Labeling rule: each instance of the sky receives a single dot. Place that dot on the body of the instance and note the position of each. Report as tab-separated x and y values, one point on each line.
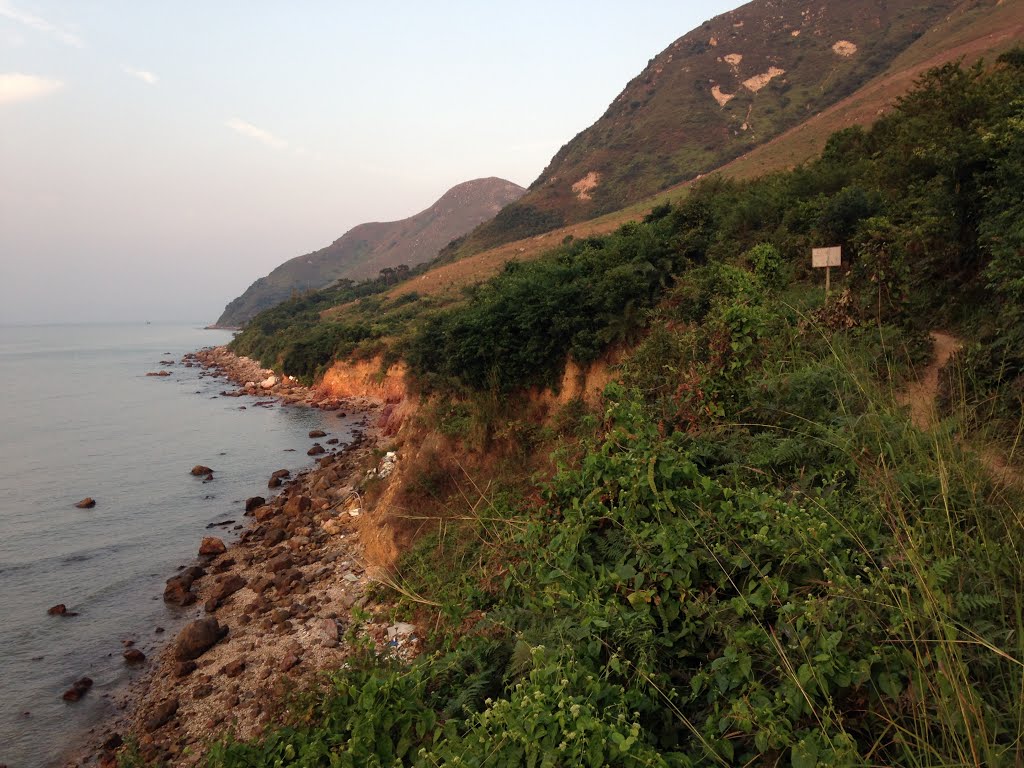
158	157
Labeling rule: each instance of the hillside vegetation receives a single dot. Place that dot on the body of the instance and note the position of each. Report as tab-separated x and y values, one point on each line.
728	86
749	554
976	30
367	249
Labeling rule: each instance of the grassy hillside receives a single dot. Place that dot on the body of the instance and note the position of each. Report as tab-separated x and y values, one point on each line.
752	553
976	30
726	87
367	249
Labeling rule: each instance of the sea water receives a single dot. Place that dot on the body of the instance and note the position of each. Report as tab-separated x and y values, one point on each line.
79	418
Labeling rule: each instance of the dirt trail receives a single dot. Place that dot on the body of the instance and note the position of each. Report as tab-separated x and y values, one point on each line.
920	395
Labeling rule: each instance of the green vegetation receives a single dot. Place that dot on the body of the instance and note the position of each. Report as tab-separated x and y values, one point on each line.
292	336
517	329
753	558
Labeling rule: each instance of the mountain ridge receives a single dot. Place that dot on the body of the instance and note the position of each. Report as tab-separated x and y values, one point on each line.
367	248
737	81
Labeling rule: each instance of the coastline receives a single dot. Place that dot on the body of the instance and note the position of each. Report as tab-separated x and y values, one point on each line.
265	613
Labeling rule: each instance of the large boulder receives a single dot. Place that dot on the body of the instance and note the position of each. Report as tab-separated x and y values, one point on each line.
177	592
296	505
264	513
199	470
87	503
197	637
161	714
254	501
179	588
227	587
211	547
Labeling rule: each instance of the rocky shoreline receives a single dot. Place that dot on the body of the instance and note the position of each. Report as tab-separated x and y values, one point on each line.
269	611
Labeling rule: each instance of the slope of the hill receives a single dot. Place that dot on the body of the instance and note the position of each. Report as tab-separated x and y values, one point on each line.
728	86
368	248
746	553
976	30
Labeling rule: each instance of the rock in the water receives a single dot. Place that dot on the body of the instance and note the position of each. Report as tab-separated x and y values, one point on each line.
199	470
177	593
162	713
58	610
87	503
178	589
274	482
317	433
77	689
158	373
211	547
197	637
253	502
134	656
316	450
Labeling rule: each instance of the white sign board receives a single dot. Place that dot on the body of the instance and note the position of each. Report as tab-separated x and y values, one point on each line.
827	257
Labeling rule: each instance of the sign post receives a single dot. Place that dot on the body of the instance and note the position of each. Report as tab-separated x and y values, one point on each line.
827	258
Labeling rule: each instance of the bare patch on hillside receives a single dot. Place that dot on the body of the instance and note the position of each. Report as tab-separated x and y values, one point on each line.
713	42
844	48
757	82
733	59
795	33
721	97
586	185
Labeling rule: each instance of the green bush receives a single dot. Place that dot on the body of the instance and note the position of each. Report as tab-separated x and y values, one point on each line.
767	263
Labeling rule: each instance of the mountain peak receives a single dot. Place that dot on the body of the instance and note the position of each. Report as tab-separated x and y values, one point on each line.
731	84
368	248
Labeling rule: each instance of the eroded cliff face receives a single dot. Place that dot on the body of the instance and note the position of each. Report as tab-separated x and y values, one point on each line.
372	380
365	378
395	514
391	386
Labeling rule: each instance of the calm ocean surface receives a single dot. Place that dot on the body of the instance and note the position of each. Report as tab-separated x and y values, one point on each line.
80	418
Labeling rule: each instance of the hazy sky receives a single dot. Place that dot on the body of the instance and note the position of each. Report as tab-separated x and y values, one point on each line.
157	157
